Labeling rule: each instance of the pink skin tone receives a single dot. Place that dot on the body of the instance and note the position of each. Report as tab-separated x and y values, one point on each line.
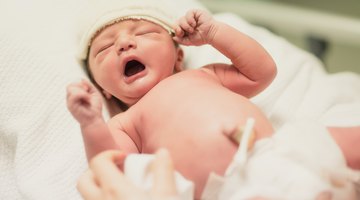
103	176
132	40
195	109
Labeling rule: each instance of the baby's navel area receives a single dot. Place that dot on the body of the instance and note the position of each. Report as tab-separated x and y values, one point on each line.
193	123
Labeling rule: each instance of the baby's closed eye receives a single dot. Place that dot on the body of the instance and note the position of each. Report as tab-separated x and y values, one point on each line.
104	47
146	31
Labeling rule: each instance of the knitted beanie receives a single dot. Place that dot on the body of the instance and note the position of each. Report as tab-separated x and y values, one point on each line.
101	13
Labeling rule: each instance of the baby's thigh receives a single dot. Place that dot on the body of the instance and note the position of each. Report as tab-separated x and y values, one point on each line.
348	139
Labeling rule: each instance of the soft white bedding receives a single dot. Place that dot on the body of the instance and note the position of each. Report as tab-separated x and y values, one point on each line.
302	88
305	152
41	149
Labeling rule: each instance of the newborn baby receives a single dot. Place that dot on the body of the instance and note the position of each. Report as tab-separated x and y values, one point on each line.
134	58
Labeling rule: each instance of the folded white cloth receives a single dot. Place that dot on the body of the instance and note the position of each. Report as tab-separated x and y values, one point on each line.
135	168
298	163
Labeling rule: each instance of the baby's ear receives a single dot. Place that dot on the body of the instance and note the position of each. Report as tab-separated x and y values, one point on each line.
179	63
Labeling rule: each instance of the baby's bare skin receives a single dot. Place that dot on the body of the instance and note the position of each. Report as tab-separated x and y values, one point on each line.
191	112
203	116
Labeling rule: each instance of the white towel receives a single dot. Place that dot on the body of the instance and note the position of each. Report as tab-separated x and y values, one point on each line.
135	168
299	162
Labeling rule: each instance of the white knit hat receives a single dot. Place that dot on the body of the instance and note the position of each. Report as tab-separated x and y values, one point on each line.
101	13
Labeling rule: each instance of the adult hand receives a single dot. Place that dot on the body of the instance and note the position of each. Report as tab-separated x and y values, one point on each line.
104	181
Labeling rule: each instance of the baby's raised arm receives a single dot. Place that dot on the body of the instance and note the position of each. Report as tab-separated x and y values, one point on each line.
252	68
85	104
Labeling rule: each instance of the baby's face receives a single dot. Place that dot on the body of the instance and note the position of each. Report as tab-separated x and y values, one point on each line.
130	57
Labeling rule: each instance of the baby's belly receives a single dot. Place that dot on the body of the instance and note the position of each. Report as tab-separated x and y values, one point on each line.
192	123
195	133
196	151
201	119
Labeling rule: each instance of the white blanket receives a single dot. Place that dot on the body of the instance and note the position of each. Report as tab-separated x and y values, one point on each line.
302	88
260	171
306	153
41	149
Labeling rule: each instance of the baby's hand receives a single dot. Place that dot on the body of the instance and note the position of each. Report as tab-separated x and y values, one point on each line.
84	102
197	27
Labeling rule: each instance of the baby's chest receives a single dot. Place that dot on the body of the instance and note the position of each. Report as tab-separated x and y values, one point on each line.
186	108
176	127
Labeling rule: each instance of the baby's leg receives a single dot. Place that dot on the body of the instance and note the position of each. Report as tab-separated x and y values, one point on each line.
348	139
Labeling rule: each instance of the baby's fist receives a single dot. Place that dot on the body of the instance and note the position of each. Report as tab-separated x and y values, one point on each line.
197	27
84	102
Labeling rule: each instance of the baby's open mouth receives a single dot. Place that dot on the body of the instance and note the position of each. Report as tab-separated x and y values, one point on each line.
133	67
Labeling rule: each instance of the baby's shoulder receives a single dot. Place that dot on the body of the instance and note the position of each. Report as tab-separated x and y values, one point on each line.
116	120
122	120
204	71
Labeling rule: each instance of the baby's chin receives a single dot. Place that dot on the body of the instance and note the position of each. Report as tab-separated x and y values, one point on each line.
139	91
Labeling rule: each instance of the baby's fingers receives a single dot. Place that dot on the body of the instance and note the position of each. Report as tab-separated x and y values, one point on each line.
191	18
179	33
88	86
76	95
181	37
75	90
186	24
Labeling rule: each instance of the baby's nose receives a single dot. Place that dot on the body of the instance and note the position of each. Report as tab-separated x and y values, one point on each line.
125	43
